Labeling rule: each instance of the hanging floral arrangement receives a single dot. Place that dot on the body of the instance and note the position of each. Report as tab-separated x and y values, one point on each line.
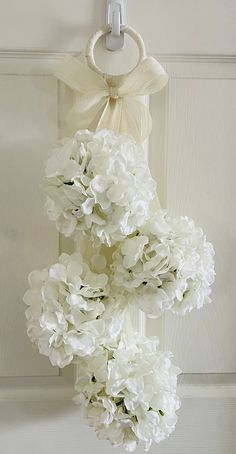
98	185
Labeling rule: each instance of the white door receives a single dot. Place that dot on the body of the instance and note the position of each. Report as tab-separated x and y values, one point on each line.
192	156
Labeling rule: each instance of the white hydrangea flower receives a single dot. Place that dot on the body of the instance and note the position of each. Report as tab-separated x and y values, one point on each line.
129	393
99	182
166	265
69	313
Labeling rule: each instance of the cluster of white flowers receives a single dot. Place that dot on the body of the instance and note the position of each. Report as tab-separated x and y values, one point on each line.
129	393
167	265
101	183
69	312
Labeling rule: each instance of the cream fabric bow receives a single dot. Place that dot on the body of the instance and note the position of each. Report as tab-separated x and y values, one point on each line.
111	101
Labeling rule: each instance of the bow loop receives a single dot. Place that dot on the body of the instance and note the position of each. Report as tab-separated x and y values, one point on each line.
102	104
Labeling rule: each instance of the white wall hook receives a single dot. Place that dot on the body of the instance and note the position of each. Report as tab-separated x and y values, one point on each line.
115	17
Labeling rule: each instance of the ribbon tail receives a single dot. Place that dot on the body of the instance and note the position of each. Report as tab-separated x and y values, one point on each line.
126	116
135	119
111	116
85	111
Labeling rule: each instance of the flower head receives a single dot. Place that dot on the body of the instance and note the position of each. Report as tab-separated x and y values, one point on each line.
69	313
129	393
101	183
168	264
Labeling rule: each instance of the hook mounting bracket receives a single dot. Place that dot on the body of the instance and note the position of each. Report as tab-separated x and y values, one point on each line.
115	17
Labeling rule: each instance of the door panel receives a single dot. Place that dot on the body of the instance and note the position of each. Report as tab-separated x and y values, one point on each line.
28	111
199	169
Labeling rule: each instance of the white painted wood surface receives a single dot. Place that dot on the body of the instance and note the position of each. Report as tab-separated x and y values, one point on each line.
28	111
192	155
205	426
197	178
201	183
168	26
